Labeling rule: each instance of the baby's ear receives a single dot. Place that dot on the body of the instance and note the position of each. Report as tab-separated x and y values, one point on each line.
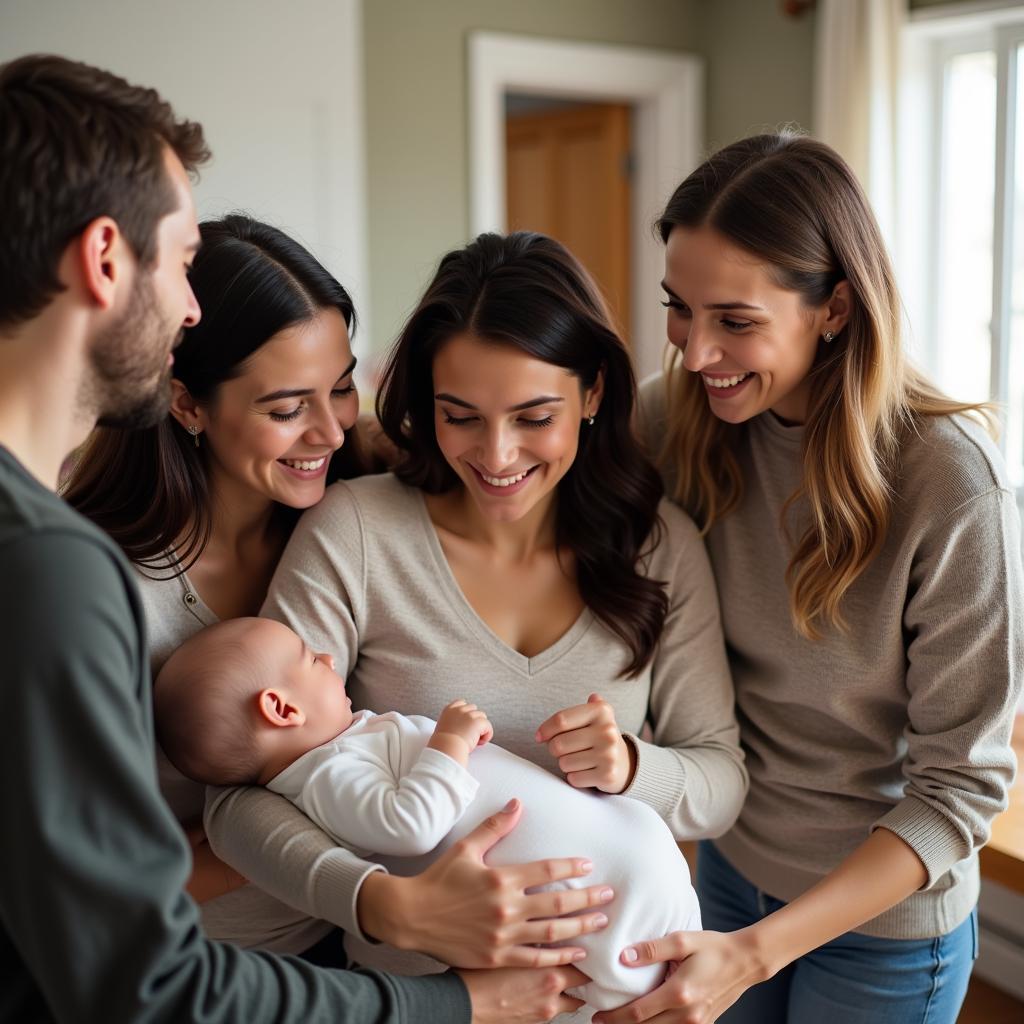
277	711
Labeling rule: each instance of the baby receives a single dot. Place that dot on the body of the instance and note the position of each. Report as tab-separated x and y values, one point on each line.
246	701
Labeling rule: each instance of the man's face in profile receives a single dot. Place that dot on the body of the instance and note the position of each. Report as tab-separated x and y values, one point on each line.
131	361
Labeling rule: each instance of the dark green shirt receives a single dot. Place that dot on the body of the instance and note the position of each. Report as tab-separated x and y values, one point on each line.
95	925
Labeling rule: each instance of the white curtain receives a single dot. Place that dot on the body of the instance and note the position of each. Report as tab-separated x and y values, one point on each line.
856	79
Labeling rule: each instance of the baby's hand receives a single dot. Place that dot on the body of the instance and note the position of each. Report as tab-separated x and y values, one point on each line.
460	729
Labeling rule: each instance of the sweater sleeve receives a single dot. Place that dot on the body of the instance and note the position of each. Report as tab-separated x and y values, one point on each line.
92	878
692	773
271	842
964	620
361	797
317	590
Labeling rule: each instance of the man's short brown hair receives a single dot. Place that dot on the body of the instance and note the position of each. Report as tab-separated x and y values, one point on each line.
77	143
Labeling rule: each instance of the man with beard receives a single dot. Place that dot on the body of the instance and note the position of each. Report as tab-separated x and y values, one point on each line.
98	229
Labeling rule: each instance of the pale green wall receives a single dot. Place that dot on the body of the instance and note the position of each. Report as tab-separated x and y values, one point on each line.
759	74
417	163
760	68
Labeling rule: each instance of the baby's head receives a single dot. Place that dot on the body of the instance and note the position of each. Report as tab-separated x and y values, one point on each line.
239	701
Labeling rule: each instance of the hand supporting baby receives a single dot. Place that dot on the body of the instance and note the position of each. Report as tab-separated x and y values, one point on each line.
460	729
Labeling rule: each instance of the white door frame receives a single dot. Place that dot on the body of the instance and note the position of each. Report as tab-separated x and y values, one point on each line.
667	93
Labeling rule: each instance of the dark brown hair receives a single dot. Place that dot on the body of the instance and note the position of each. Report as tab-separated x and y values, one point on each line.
149	489
77	143
528	291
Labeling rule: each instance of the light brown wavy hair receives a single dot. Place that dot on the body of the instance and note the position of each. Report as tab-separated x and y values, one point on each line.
795	204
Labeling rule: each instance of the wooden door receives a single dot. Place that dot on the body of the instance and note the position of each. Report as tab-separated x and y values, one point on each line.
567	176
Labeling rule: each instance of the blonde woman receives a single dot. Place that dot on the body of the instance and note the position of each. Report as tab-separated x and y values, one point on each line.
866	546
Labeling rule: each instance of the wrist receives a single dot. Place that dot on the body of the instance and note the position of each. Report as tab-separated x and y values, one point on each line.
631	762
763	954
381	909
452	744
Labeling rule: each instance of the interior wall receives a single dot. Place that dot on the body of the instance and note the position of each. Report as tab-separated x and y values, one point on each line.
416	111
760	68
279	96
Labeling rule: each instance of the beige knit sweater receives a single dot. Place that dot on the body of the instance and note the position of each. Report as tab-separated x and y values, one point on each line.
904	721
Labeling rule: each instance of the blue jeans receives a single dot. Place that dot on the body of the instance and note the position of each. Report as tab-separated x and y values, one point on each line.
855	979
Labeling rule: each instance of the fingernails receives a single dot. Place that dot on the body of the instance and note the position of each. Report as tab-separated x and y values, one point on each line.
600	920
606	895
512	805
629	955
536	735
586	866
579	955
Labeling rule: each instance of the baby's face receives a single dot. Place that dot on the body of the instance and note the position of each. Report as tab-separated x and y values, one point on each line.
308	679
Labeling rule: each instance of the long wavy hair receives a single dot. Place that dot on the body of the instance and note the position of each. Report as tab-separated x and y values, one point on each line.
150	489
795	204
527	291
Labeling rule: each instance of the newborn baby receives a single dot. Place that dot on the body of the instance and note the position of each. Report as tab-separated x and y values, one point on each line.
246	701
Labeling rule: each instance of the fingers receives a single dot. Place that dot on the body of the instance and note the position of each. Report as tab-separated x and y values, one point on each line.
557	929
558	902
542	872
578	762
565	721
496	827
646	1008
570	977
536	956
566	743
592	778
675	946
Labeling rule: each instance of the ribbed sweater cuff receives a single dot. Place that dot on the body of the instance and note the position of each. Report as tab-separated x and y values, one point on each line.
660	779
434	998
930	834
336	883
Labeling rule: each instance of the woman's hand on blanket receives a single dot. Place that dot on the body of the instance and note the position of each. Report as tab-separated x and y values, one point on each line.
467	914
708	972
590	749
521	995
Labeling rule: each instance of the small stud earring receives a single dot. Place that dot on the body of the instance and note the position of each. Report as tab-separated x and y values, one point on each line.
194	431
827	337
590	421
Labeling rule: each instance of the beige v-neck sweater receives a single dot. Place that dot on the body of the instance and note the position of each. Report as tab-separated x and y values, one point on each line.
365	579
903	722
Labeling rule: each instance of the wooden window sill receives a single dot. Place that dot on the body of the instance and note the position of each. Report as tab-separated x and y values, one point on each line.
1002	859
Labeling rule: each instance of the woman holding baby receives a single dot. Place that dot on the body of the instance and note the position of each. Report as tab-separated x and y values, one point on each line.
532	595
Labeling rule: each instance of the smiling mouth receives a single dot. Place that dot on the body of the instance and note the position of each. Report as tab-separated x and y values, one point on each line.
507	481
504	482
720	383
307	465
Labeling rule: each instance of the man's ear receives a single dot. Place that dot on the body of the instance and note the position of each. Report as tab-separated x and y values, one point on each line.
104	260
277	711
184	408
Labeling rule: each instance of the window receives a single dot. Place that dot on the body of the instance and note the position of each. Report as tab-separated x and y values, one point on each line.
960	244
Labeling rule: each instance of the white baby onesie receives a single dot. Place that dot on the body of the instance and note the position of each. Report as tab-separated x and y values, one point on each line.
381	791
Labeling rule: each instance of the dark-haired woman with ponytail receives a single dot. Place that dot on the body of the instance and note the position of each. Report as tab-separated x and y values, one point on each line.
520	556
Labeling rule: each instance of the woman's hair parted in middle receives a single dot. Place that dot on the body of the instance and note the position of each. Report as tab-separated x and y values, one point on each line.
794	204
529	292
